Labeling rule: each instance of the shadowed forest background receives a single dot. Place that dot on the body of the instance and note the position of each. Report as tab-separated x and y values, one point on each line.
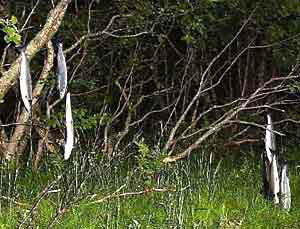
169	99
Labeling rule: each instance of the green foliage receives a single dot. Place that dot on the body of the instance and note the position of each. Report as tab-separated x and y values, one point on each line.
194	28
294	87
143	148
83	83
149	165
56	120
9	27
88	121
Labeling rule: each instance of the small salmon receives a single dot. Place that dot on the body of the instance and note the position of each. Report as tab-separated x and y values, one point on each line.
285	188
62	77
274	180
25	81
69	143
270	139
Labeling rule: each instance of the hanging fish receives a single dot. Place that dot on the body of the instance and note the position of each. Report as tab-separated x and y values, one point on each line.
25	80
265	175
62	78
285	188
69	142
270	139
274	180
267	157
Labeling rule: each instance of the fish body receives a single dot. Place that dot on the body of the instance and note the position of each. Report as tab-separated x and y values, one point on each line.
266	175
285	188
25	81
69	142
274	180
267	158
270	139
62	77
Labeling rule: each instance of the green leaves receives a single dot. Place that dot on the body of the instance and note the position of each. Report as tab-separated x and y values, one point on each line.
144	149
88	121
194	28
10	29
188	38
13	20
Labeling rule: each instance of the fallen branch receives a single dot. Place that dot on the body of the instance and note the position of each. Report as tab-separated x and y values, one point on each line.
241	142
114	195
15	202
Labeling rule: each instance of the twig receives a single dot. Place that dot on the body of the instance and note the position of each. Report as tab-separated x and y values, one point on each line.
257	125
240	142
114	195
30	14
15	202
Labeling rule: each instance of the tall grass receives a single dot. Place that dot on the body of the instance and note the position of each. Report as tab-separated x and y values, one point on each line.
89	192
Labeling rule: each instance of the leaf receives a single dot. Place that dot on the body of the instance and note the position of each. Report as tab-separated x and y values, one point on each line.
7	39
13	20
52	123
188	39
16	39
8	30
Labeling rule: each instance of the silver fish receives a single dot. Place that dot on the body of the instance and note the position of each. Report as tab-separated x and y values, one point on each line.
270	139
267	156
285	188
25	81
62	78
274	180
69	143
265	175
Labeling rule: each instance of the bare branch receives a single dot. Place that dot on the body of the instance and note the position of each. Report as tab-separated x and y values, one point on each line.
30	14
105	31
115	195
200	89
